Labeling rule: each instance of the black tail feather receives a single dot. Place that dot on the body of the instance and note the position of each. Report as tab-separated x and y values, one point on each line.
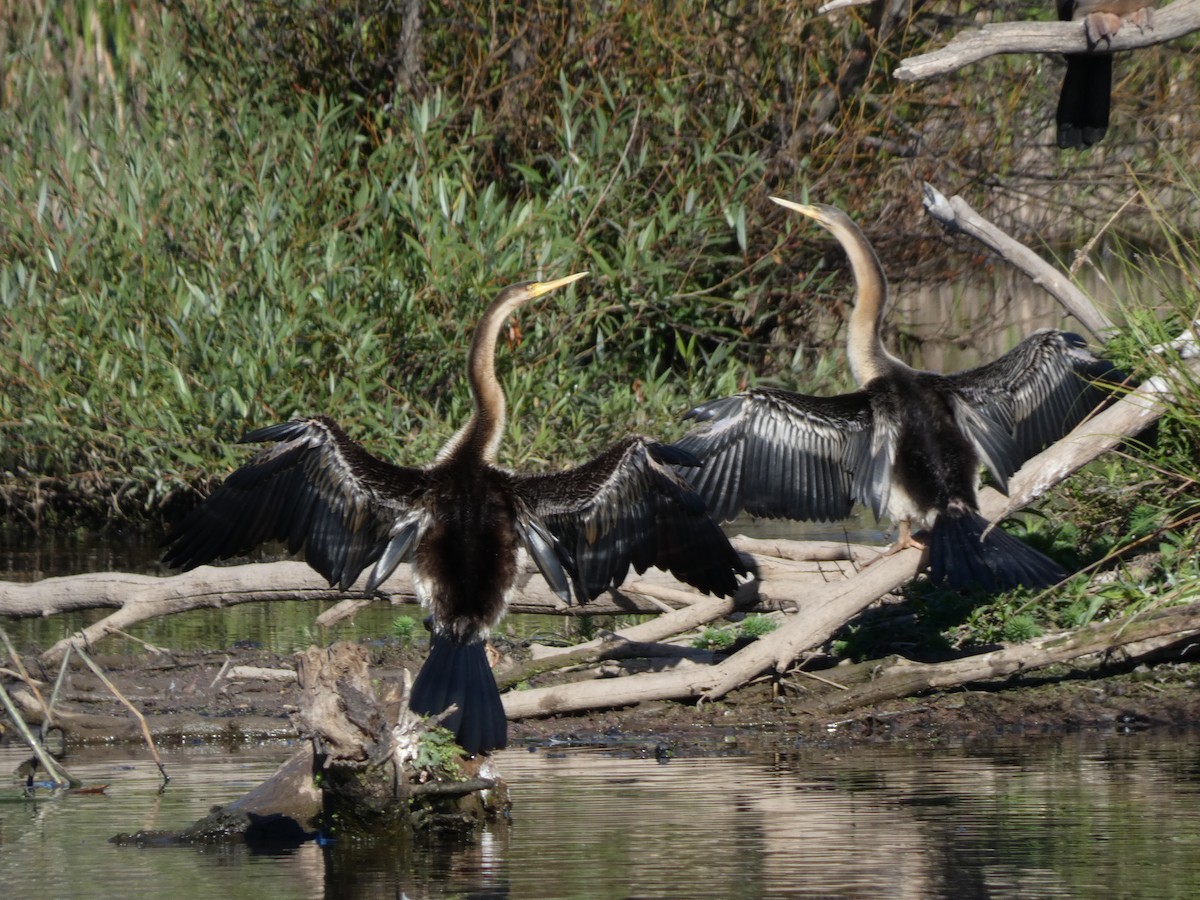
960	557
1083	103
457	672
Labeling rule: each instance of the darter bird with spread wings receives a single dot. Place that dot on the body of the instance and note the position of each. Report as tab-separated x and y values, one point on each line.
908	444
465	524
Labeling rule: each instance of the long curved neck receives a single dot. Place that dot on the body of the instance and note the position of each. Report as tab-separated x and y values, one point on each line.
868	358
480	437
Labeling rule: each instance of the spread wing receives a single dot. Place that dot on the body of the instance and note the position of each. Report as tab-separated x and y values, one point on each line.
316	490
1037	391
780	454
629	507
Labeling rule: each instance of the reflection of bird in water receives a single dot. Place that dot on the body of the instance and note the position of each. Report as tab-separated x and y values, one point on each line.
908	443
463	521
1083	102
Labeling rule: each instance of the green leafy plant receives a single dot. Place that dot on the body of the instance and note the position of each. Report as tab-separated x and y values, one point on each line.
714	638
404	628
438	754
756	625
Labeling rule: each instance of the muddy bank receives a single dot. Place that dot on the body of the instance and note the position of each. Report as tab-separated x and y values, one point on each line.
215	696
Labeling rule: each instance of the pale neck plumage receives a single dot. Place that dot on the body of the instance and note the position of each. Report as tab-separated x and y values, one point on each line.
864	346
480	437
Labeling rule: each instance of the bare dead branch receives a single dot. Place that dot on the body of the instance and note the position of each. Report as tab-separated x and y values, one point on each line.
955	214
1180	18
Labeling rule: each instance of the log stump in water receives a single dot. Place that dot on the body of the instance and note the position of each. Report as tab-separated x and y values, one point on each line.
377	763
373	769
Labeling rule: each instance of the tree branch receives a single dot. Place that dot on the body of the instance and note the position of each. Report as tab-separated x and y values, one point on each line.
954	214
967	47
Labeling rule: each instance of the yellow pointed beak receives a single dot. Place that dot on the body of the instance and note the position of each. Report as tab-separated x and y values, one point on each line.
538	288
813	212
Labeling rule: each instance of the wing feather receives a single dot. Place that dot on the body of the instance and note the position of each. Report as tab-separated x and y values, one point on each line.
314	489
628	507
779	454
1039	390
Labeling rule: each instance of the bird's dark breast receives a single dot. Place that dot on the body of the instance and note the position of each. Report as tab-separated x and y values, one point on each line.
469	556
935	462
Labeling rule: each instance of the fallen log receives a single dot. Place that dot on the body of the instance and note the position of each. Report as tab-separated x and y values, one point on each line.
372	769
822	612
138	598
614	646
259	673
870	683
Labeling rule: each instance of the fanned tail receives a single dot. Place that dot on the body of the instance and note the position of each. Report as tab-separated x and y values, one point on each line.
457	672
960	556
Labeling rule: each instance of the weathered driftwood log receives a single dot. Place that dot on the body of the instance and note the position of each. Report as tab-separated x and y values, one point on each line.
138	598
967	47
821	612
613	648
869	683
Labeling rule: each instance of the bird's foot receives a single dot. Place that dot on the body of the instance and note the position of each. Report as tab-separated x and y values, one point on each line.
1142	19
1101	26
904	540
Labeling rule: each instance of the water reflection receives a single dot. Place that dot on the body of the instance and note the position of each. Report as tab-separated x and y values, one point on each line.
1092	815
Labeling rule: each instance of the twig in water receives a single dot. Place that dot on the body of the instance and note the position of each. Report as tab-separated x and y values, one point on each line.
56	774
221	673
151	647
133	709
23	674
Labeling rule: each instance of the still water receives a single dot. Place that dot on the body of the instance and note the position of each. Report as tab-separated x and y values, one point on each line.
1087	816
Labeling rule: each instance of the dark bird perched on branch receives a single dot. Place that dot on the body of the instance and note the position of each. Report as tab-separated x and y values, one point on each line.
464	524
1083	102
908	444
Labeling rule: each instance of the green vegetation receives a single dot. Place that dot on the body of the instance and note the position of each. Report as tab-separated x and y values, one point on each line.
722	638
202	230
439	755
405	629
